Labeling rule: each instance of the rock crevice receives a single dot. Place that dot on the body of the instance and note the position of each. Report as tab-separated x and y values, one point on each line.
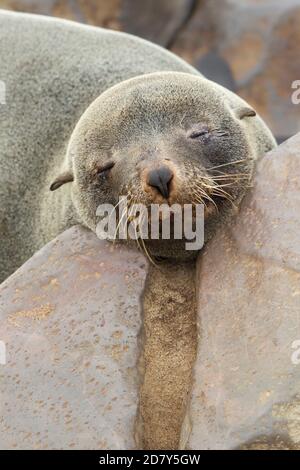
169	351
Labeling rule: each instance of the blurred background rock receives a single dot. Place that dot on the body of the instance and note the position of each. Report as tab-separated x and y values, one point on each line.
249	46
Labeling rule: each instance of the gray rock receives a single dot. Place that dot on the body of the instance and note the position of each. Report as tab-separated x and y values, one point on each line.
70	320
247	372
156	21
215	68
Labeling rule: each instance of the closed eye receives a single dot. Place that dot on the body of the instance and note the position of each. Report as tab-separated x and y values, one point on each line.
196	134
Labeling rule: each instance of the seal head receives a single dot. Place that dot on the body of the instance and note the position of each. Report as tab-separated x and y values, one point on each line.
164	138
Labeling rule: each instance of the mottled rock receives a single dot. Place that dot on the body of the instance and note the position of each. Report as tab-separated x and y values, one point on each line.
247	372
258	43
70	320
100	13
270	88
95	12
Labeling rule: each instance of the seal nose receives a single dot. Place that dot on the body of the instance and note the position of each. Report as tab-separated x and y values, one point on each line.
160	178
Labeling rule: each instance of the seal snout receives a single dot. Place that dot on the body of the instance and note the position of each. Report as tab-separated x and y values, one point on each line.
160	179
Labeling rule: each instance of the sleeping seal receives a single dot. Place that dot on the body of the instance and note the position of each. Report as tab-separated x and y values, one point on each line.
93	114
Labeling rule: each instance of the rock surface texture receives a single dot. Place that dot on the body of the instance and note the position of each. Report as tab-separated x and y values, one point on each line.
247	372
70	319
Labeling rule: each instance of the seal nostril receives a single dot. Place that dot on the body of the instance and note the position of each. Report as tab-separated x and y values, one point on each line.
160	178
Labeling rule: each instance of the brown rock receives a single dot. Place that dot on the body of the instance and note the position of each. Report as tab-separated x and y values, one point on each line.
197	37
270	89
101	13
70	320
94	12
169	350
247	372
258	44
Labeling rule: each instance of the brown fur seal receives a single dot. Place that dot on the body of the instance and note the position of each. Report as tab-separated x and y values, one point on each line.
156	130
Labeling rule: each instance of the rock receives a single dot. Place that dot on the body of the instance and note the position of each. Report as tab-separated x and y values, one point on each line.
247	371
156	21
95	12
169	349
257	42
99	13
70	320
217	69
270	88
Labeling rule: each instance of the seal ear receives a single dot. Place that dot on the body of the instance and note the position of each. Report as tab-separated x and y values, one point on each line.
245	111
65	177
